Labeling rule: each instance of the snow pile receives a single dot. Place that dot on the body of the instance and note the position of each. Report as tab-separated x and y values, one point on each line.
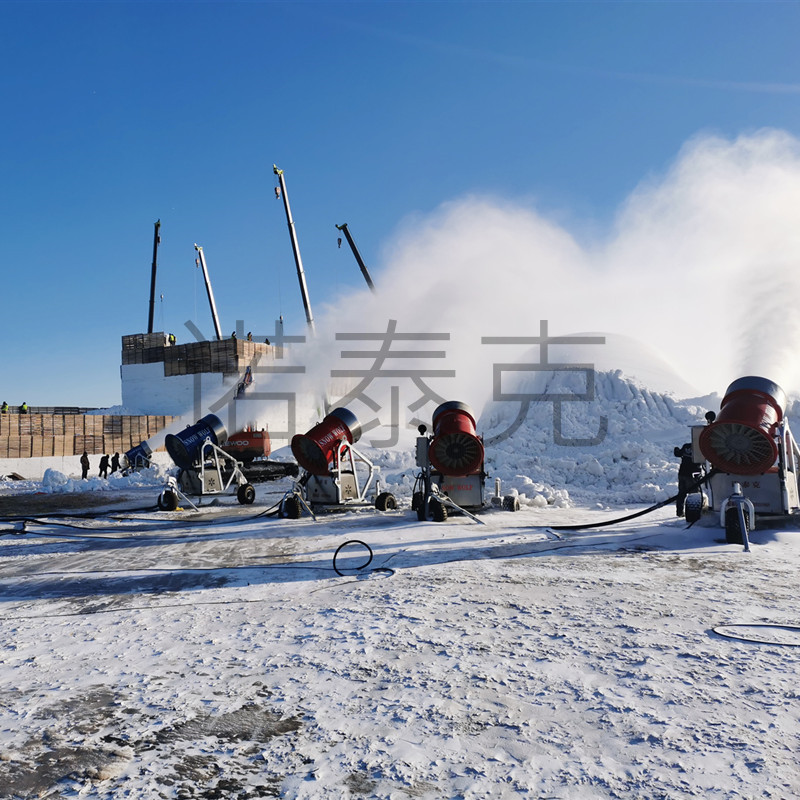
614	448
55	482
576	435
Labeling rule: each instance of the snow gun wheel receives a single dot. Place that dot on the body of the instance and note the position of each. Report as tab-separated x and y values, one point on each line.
733	526
511	503
246	494
168	500
693	507
385	502
438	510
291	508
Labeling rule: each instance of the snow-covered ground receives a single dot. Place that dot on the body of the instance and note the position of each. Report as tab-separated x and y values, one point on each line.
218	654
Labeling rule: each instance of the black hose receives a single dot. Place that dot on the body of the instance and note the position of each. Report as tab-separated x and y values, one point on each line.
793	628
641	513
345	544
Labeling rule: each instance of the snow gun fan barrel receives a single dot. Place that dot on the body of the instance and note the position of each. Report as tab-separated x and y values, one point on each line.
316	449
741	440
139	456
186	446
455	448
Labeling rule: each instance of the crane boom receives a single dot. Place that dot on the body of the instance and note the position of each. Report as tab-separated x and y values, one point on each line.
156	243
301	276
202	261
359	260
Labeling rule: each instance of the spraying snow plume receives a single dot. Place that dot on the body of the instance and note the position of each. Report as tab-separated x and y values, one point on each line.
699	266
711	251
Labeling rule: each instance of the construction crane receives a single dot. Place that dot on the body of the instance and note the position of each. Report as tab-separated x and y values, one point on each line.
201	262
156	243
359	260
301	276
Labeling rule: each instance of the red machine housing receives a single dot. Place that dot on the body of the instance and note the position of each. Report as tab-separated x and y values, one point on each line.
741	440
455	449
315	451
247	445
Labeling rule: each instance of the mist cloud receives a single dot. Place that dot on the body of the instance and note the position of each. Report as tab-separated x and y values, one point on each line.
699	266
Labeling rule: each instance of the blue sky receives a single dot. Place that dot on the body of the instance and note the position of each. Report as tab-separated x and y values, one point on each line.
116	114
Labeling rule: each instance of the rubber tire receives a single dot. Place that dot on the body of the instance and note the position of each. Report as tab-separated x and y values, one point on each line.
511	503
168	500
693	507
291	508
385	502
438	510
246	494
733	530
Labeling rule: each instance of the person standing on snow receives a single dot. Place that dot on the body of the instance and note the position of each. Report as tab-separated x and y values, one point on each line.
115	462
104	466
85	465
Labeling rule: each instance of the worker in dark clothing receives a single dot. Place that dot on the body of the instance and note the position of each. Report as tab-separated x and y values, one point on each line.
23	409
85	465
689	472
5	407
115	462
104	466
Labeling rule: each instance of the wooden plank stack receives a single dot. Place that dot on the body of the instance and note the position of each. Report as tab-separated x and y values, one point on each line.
229	356
34	435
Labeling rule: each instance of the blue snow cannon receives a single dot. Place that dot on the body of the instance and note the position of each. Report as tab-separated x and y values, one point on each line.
185	448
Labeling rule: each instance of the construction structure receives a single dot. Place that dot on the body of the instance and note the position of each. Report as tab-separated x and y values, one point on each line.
158	375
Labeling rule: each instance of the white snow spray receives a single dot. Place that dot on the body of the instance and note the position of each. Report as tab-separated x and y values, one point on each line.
699	266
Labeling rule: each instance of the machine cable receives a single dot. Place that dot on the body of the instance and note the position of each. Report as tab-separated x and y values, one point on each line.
696	485
363	566
719	630
271	511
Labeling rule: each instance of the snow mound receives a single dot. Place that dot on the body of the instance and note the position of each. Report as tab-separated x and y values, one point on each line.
608	441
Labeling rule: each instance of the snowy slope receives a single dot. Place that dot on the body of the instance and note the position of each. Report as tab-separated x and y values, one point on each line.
219	654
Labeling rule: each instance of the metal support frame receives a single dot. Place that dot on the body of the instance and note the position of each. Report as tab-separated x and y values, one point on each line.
740	503
350	456
218	455
446	501
172	485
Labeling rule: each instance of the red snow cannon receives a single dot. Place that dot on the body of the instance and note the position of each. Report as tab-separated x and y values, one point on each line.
741	440
456	448
317	449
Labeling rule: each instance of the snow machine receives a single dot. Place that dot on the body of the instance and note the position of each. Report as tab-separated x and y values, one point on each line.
204	467
753	458
335	474
452	472
137	458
